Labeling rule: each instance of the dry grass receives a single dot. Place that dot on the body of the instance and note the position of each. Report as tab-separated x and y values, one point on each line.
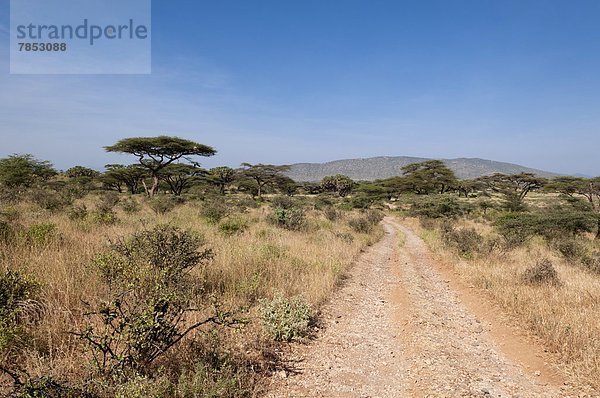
257	263
565	315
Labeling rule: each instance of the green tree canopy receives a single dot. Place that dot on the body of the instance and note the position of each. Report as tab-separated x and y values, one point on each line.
180	176
156	153
81	171
24	170
340	184
221	177
263	175
117	175
428	177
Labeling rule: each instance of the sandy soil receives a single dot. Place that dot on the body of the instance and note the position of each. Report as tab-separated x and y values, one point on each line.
403	326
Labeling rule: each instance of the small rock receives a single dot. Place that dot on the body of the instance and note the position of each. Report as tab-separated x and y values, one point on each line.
538	373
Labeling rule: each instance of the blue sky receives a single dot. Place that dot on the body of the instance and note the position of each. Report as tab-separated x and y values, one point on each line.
309	81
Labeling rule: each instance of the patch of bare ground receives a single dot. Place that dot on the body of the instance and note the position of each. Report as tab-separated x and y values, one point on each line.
402	326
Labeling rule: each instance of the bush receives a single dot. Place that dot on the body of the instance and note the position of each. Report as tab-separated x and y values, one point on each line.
345	236
331	213
361	225
374	216
77	213
232	226
41	234
287	319
365	223
214	212
130	206
516	228
283	202
163	204
438	207
570	248
541	273
104	217
107	202
19	308
466	241
133	327
50	199
292	219
592	262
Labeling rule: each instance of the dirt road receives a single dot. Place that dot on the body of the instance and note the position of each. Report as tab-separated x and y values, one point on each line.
401	327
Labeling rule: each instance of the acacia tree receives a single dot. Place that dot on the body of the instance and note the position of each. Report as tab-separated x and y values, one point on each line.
589	188
514	187
221	177
340	184
427	177
24	170
520	184
180	176
81	171
156	153
118	175
263	175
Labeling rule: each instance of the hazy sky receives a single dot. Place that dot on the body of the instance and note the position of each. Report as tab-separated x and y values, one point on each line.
317	80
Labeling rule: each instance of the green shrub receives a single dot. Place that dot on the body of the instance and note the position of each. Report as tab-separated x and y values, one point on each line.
103	217
361	225
292	219
77	213
438	206
234	225
215	212
287	319
50	199
41	234
107	202
360	201
570	248
374	216
466	241
133	327
516	228
130	206
145	387
19	307
164	204
284	202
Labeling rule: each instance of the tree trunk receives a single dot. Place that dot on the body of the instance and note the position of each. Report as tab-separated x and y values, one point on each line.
154	188
145	188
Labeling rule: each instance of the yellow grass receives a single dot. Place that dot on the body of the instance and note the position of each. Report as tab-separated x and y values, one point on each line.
260	262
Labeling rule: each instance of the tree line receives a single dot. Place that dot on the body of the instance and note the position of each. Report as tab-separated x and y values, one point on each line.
170	164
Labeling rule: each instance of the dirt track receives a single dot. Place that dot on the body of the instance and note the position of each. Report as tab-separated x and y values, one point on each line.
402	327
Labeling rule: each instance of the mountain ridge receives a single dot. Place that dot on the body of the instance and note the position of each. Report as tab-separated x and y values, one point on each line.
380	167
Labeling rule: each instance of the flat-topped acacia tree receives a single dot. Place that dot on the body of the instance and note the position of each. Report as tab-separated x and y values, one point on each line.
156	153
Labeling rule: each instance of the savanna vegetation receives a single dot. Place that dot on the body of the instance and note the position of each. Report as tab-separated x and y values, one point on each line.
163	279
160	278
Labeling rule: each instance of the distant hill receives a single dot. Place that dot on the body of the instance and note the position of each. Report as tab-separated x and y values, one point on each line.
389	166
